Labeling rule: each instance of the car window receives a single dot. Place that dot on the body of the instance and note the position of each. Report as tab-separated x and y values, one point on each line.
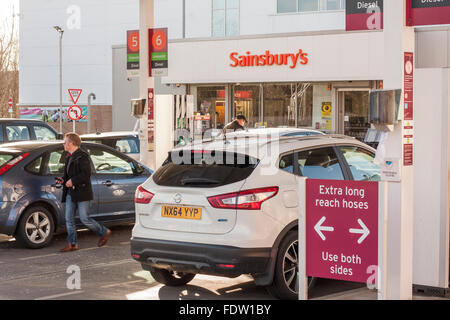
56	162
4	158
34	166
320	164
44	133
18	132
106	162
287	163
361	163
204	169
127	145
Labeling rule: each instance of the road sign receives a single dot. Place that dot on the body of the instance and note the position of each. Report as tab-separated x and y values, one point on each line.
75	95
341	229
75	113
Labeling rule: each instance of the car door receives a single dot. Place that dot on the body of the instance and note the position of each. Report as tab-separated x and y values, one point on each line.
117	183
54	163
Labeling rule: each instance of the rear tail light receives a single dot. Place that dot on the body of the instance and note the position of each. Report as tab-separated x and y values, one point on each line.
12	163
142	196
245	200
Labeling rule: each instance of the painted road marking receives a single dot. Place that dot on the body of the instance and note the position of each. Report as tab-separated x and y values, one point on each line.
60	295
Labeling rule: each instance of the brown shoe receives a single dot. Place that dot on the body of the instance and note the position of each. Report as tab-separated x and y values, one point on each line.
69	247
103	240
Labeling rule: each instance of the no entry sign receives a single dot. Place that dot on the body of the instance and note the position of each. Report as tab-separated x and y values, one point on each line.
341	229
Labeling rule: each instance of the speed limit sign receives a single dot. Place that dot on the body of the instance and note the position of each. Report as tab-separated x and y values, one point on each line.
158	52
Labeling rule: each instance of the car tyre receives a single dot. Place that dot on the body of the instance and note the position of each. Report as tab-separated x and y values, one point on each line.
36	228
285	281
171	278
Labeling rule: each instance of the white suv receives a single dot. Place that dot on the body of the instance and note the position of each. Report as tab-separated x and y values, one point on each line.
230	207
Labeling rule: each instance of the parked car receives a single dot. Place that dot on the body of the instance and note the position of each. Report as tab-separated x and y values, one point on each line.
201	213
31	209
12	130
275	132
124	141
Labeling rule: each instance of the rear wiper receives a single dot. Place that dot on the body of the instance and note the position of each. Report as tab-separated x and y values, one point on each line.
198	181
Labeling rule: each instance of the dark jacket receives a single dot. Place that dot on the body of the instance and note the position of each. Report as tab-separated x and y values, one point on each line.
79	171
232	126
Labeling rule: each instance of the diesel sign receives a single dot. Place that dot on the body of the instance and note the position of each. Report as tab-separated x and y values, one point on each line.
364	15
428	12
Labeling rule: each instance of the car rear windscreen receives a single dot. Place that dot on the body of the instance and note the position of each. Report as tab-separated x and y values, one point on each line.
204	169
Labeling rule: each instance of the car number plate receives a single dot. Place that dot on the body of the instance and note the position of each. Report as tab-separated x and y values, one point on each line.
181	212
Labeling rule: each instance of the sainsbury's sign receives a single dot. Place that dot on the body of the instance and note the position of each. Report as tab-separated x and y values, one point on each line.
268	59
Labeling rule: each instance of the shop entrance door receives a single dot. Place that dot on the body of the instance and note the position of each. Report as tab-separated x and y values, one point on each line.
247	101
353	112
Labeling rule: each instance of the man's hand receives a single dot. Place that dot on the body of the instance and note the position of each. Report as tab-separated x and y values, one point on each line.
69	184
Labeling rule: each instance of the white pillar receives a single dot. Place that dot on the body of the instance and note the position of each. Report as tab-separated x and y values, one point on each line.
399	256
146	21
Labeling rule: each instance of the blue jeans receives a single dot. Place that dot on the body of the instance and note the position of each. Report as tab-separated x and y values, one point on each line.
83	208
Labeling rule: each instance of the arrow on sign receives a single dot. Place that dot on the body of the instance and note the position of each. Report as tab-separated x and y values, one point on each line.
364	231
319	228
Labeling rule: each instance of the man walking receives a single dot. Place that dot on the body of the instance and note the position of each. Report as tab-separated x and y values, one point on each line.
77	193
235	125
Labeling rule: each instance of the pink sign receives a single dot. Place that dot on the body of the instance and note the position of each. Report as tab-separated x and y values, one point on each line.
341	229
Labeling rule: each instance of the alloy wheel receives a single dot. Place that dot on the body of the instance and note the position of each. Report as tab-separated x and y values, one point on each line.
37	227
290	267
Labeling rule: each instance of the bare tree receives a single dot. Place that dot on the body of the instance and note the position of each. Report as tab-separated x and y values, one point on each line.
9	68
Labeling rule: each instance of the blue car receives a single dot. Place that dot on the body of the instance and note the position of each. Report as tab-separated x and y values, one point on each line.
30	207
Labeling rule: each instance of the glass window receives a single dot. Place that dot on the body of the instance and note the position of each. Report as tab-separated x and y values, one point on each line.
247	102
333	4
44	133
356	113
225	18
361	164
211	101
56	162
304	104
218	23
308	5
279	105
1	133
287	163
34	166
4	158
320	164
203	170
127	145
105	162
15	133
284	6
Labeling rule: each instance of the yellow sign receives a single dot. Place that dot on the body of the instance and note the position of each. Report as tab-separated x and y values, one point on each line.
326	109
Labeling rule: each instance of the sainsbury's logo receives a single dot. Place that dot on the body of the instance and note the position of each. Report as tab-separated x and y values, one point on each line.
268	59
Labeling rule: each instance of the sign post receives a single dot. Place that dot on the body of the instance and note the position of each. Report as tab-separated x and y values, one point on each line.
339	223
158	53
10	105
74	113
133	53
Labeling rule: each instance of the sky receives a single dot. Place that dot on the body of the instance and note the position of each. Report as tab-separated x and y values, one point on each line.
6	11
